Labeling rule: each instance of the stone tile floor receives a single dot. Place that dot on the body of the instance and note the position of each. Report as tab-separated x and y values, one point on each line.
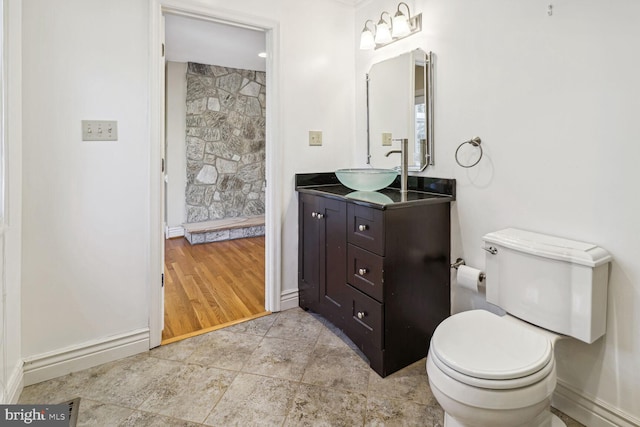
287	369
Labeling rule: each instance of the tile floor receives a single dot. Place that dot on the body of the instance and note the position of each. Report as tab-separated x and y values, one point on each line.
286	369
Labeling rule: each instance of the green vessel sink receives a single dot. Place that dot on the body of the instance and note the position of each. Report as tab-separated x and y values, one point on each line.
366	179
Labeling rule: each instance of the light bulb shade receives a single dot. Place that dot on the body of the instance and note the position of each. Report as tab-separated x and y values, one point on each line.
366	40
400	25
383	35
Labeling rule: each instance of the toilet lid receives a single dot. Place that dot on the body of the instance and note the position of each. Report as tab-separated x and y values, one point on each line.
480	344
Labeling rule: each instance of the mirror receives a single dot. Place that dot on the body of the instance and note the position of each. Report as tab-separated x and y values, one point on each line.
400	105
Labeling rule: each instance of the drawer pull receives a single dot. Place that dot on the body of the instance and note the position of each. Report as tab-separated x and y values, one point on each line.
363	271
320	216
361	315
363	227
314	214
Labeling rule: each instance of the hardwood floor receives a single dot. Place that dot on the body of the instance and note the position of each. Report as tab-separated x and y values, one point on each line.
211	285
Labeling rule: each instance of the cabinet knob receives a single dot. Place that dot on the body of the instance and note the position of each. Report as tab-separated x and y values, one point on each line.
314	214
363	227
320	216
363	271
361	315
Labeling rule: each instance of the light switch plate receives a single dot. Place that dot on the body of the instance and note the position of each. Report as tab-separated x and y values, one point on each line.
386	139
99	130
315	137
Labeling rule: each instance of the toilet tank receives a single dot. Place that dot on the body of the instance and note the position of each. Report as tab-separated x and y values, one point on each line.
555	283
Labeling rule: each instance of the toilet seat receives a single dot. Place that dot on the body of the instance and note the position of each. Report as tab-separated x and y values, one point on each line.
484	350
494	384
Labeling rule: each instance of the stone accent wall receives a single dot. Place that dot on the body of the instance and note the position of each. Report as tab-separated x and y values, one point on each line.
225	142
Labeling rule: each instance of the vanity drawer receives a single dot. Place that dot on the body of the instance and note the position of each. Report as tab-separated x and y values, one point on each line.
365	322
365	271
366	228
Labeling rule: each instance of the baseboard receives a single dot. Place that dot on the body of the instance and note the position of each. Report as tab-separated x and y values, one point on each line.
590	410
172	232
76	358
289	299
14	386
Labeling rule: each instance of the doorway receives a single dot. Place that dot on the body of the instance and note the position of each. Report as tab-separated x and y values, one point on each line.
272	226
215	108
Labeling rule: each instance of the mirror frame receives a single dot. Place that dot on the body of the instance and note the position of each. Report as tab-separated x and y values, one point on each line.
418	56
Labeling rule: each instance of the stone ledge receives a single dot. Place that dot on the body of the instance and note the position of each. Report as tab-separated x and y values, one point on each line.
224	229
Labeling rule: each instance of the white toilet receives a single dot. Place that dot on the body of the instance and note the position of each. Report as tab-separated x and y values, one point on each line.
490	370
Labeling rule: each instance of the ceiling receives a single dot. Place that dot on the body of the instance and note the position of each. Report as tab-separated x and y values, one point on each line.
205	42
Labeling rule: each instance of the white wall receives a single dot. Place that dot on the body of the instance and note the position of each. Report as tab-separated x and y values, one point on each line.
10	237
86	217
85	204
316	83
176	156
556	102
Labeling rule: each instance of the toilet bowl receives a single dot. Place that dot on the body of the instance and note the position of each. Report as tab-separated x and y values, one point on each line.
487	370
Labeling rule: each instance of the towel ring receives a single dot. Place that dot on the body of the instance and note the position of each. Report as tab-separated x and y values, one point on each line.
476	143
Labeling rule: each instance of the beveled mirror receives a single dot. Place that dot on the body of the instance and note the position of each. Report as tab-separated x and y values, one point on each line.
400	105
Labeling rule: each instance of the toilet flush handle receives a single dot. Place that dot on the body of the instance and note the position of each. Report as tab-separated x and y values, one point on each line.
491	250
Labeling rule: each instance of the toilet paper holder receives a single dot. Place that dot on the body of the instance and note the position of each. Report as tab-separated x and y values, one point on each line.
460	262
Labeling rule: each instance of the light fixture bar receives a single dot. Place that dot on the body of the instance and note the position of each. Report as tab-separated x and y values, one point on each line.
415	26
397	28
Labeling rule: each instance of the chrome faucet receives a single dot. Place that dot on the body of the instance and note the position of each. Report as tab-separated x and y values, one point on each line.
404	166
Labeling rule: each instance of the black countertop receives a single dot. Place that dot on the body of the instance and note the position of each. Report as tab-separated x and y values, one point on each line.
422	190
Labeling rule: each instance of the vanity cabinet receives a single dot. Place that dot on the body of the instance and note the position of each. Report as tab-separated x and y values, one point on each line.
379	272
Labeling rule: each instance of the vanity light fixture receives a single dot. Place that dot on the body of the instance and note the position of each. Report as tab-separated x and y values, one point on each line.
401	26
366	38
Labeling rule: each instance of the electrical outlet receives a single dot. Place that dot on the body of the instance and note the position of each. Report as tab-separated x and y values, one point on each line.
315	137
99	130
386	139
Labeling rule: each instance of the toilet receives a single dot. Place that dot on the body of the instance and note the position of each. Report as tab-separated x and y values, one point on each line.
491	370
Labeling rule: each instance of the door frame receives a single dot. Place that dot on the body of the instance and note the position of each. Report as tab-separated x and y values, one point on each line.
273	196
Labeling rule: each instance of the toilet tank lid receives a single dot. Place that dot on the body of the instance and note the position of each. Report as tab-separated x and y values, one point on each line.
547	246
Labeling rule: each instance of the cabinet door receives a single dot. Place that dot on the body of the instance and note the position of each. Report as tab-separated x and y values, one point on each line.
309	252
333	261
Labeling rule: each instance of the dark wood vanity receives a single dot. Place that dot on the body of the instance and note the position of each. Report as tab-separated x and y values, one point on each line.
377	265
